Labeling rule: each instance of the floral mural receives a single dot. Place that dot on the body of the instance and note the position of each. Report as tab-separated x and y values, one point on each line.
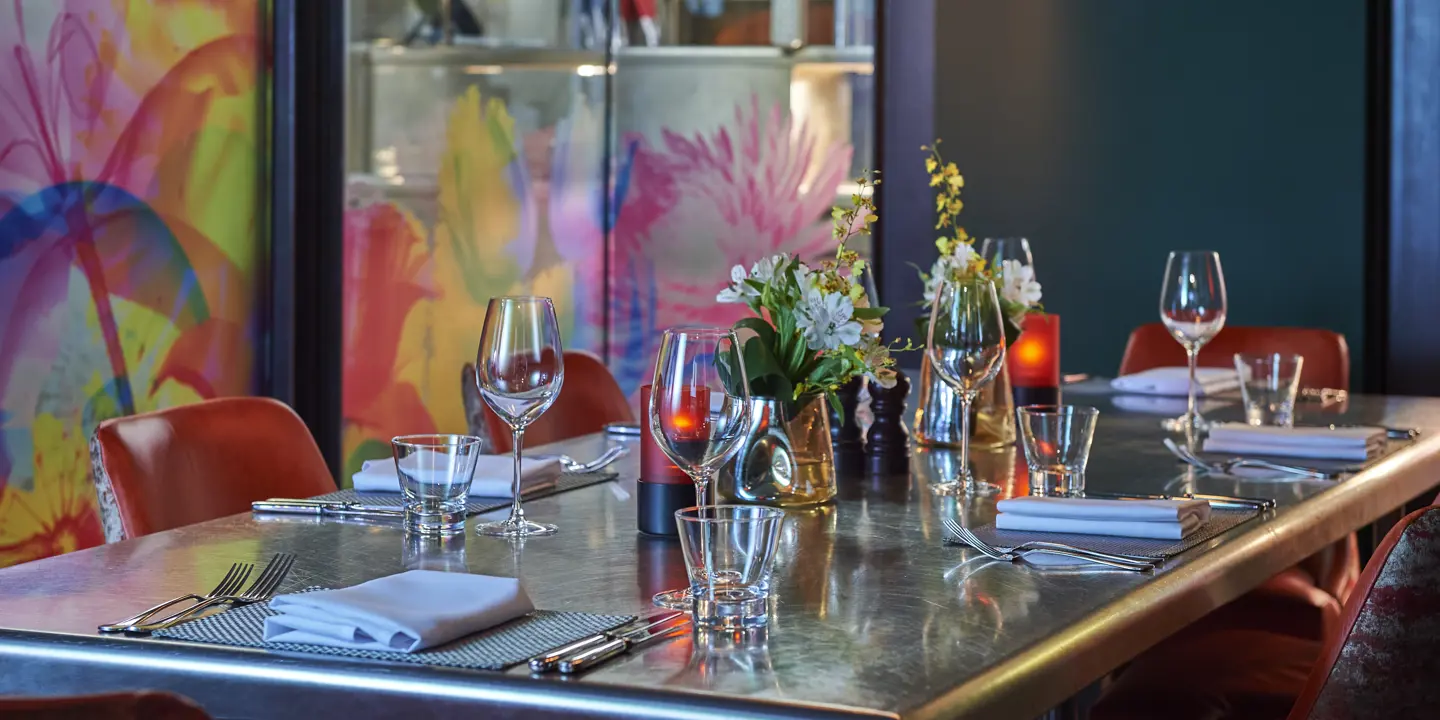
131	235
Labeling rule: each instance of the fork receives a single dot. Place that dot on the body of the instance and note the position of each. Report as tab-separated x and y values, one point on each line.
1223	467
1020	551
232	581
571	465
261	590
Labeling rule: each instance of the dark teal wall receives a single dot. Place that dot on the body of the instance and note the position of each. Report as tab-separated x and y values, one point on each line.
1112	131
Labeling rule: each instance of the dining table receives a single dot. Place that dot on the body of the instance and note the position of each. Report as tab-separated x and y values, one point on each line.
874	614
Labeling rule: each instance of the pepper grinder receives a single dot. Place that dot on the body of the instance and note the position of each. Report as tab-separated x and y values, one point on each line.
888	446
845	434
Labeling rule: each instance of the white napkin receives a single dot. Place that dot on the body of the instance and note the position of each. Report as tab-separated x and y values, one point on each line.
1315	443
400	613
492	478
1176	381
1157	519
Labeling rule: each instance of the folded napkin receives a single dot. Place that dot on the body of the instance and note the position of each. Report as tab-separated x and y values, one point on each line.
1315	443
1176	381
400	613
1157	519
492	478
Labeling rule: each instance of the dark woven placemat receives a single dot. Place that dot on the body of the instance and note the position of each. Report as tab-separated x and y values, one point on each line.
477	505
494	649
1220	521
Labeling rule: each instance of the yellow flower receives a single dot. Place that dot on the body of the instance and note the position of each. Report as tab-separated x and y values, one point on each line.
935	180
930	164
957	181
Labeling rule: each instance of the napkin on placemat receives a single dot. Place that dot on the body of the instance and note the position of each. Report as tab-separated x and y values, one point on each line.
1176	381
1156	519
1315	443
1222	520
401	613
493	476
495	649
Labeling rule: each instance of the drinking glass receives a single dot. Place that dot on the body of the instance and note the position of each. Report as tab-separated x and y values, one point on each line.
730	556
435	473
966	348
997	250
1192	306
1057	440
1268	384
519	370
699	409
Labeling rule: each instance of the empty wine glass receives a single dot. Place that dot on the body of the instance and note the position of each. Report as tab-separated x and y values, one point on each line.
966	348
998	250
699	410
519	370
1192	306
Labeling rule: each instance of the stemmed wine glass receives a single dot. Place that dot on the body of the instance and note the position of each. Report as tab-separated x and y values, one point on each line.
1192	306
998	250
699	410
519	370
966	348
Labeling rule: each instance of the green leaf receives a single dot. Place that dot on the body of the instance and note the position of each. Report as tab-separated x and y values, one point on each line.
870	313
834	401
764	330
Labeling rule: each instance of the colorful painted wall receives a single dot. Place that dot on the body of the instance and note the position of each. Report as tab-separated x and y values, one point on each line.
132	235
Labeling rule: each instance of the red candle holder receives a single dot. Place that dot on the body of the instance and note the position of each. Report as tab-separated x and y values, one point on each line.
663	487
1034	361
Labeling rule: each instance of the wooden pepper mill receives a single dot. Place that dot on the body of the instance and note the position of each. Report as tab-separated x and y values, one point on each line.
888	446
845	434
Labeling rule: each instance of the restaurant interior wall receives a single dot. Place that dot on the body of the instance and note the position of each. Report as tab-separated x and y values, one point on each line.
132	235
1112	132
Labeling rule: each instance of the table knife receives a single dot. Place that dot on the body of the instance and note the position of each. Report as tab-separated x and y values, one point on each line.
549	659
1215	500
331	508
595	655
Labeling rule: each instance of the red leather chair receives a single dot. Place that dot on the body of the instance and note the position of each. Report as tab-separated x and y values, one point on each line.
1384	662
188	464
1327	357
143	705
589	399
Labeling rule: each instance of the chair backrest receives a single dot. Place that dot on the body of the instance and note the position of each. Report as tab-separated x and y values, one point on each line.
1327	357
589	399
1384	661
143	705
192	463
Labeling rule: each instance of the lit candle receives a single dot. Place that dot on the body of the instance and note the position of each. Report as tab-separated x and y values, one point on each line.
1034	358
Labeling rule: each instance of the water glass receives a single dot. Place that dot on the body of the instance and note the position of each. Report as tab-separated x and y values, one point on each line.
1268	384
435	473
1057	446
730	556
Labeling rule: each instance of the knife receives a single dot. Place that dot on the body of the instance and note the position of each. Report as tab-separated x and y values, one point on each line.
595	655
332	508
549	659
1223	501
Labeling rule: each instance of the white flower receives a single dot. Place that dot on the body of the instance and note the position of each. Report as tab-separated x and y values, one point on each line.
805	277
826	320
938	271
1017	283
737	291
960	259
764	270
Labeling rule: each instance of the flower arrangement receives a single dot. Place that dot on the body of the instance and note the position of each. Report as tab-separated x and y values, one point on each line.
1015	283
814	328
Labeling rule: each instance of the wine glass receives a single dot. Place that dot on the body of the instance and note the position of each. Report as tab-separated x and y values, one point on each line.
699	410
966	348
1192	306
997	250
519	370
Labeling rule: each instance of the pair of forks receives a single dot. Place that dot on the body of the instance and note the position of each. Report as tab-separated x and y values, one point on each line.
1132	563
227	592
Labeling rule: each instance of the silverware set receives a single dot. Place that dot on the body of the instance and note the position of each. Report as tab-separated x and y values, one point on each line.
571	465
225	593
588	652
1121	561
1223	467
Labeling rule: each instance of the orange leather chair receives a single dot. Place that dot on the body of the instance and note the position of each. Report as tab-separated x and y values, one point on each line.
143	705
589	399
1327	357
193	463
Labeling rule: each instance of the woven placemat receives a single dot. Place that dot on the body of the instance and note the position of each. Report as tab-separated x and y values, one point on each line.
495	649
478	505
1220	521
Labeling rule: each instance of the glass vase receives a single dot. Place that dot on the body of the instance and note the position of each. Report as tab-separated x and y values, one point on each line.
783	461
937	418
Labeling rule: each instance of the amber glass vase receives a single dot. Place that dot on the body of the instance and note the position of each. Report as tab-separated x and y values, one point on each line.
785	460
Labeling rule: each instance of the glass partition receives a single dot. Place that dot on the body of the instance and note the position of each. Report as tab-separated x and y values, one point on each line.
618	156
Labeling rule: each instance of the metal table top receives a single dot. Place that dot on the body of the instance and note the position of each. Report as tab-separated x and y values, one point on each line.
875	616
